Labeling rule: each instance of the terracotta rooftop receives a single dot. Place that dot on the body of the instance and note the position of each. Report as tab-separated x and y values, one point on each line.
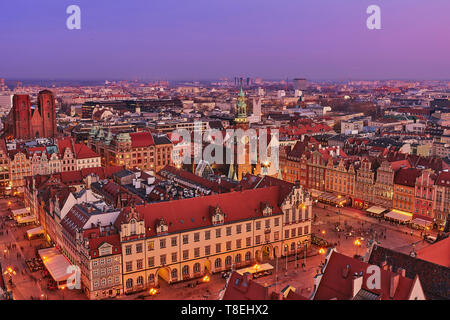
340	272
434	278
438	253
141	139
407	176
195	213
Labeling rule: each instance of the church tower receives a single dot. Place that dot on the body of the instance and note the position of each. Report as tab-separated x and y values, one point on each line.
240	121
238	171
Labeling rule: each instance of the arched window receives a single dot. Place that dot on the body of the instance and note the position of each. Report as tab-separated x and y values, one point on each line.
228	260
140	281
174	273
248	256
185	270
237	259
133	227
218	263
151	278
197	267
129	283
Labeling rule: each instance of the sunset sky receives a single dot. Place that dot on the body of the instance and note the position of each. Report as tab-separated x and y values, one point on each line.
210	39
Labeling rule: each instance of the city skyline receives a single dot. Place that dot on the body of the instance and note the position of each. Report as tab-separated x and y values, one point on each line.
203	40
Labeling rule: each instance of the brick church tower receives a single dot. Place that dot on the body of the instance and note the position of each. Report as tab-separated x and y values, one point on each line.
25	122
20	116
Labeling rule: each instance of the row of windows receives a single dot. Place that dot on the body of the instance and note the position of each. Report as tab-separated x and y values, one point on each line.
207	235
103	281
186	269
103	260
207	249
104	271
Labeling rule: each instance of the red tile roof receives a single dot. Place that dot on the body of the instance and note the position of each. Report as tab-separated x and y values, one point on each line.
95	243
141	139
438	253
250	182
434	278
194	213
82	151
443	179
337	281
197	180
407	177
63	144
71	177
395	165
241	288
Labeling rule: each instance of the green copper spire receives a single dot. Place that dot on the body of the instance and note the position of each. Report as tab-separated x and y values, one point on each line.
241	108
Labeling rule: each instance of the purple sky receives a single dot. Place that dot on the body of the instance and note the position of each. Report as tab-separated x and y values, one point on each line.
209	39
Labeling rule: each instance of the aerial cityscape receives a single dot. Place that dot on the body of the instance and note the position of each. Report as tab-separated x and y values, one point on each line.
193	175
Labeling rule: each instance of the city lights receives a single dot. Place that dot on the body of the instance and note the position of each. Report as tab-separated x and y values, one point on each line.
211	150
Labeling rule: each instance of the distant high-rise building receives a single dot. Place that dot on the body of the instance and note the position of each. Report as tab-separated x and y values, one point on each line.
300	84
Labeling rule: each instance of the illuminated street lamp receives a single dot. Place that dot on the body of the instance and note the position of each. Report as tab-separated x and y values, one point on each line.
10	271
296	251
357	244
321	251
62	288
153	291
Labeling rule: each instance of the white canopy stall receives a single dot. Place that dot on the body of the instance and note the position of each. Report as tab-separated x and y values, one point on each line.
56	264
399	216
35	232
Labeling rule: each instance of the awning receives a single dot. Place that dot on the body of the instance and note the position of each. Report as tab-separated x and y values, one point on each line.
26	219
56	264
20	212
376	210
253	269
35	231
421	222
315	193
399	215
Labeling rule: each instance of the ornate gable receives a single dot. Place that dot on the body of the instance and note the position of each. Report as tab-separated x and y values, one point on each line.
266	209
217	215
161	226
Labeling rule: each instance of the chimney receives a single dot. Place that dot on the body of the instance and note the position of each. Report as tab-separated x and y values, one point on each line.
395	277
401	272
356	285
246	279
346	271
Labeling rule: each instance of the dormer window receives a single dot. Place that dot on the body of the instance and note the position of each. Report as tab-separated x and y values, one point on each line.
161	227
266	209
217	215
